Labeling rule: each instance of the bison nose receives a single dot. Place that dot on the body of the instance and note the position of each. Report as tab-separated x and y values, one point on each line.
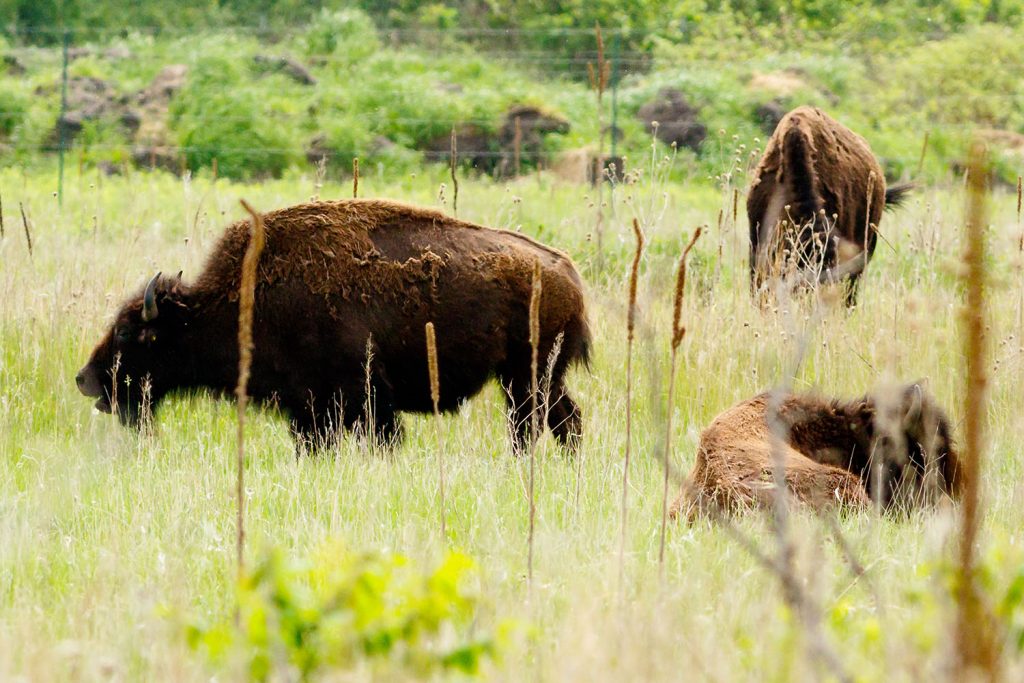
86	383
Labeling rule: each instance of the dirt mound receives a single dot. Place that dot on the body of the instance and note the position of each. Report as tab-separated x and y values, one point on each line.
769	114
523	129
91	99
780	83
153	146
673	120
584	167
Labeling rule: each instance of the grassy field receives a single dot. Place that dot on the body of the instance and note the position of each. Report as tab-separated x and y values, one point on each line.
110	539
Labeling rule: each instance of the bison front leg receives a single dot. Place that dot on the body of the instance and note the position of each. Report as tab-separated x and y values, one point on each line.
558	411
565	421
518	400
315	424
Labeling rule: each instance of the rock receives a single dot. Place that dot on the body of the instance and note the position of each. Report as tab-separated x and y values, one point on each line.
769	114
780	83
153	156
582	166
286	65
91	99
165	84
117	53
78	53
317	150
672	119
495	152
13	66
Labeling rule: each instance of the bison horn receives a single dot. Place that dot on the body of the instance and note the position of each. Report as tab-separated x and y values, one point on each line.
149	309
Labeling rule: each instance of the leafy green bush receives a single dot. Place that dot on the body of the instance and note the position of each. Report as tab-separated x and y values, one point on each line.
14	106
340	610
348	32
249	126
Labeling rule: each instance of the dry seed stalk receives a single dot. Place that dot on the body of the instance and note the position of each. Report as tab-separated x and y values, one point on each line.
2	215
535	292
924	149
517	140
355	177
678	331
453	159
246	302
634	272
435	397
28	229
977	648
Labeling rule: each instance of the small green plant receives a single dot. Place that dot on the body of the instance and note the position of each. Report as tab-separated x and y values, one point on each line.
340	610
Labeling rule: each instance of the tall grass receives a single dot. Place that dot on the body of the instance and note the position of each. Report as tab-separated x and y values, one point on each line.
105	532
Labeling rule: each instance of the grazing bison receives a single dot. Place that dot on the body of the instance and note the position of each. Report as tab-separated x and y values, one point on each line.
893	449
344	290
815	203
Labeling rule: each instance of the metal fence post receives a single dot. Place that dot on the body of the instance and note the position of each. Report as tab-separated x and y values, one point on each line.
615	91
62	124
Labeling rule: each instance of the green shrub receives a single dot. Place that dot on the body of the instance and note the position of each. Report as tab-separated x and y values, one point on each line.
339	610
14	106
250	126
348	32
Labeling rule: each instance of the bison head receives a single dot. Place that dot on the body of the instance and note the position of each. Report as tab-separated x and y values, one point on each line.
913	442
132	367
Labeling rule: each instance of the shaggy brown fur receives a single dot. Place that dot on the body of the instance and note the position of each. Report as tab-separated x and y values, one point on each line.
813	203
897	452
333	276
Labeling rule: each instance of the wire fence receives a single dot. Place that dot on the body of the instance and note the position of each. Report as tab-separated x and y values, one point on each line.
481	143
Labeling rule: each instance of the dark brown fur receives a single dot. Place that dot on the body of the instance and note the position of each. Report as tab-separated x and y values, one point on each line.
822	171
333	276
896	452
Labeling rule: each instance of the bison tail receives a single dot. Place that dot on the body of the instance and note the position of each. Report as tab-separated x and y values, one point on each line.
799	175
895	195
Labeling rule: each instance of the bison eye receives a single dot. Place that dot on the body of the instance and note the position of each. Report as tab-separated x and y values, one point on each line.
123	334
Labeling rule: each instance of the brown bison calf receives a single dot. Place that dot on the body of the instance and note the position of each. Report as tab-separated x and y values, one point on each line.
894	450
344	290
815	202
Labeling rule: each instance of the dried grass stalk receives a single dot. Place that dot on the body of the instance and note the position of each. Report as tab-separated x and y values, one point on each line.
435	397
634	273
355	177
924	149
28	228
246	302
453	161
678	332
535	292
977	644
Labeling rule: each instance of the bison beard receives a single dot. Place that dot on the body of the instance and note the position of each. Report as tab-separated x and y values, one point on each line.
815	203
344	290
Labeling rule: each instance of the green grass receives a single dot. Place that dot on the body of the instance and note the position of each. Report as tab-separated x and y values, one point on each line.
104	531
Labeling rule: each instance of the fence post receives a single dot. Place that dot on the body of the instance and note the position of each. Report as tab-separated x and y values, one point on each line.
62	124
615	91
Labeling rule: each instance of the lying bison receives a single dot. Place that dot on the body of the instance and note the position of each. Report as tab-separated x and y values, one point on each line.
893	449
815	202
344	290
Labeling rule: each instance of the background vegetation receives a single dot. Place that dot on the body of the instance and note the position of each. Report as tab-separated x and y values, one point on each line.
386	93
117	548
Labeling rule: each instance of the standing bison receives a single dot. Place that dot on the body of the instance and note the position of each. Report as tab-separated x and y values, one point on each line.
344	290
893	449
815	203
